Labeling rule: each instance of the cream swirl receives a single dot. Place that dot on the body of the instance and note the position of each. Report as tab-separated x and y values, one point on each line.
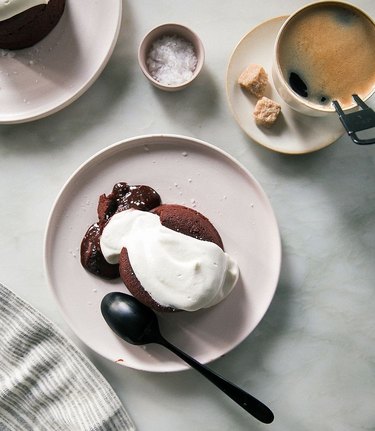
175	269
10	8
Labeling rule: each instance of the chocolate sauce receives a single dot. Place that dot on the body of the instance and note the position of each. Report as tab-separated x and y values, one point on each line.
123	197
92	257
143	198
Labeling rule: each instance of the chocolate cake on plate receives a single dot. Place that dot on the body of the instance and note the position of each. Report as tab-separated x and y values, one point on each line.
23	23
170	257
180	219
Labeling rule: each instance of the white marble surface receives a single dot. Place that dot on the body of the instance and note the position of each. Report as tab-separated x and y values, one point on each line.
312	357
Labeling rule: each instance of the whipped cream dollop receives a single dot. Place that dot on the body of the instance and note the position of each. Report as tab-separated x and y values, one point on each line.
9	8
175	269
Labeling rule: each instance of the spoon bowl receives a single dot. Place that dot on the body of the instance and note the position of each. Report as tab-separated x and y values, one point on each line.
130	319
137	324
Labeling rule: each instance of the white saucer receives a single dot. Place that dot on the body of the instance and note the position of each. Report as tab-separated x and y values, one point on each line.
185	171
293	133
37	81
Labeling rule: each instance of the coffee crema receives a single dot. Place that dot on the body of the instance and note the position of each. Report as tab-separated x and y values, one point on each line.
327	53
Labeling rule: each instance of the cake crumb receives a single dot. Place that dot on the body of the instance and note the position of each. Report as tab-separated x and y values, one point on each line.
254	79
266	112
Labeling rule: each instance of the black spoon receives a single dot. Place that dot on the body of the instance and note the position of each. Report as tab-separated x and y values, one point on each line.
137	324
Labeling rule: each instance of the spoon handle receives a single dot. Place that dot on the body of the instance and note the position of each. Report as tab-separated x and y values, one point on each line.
245	400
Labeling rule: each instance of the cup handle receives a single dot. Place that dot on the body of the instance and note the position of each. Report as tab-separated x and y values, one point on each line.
358	121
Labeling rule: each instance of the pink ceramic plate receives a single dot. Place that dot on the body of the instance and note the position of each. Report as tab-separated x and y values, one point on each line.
184	171
37	81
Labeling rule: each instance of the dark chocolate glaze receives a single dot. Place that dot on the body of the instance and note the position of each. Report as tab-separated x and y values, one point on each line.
123	197
92	257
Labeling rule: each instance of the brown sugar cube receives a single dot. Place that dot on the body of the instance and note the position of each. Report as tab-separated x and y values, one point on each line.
254	79
266	112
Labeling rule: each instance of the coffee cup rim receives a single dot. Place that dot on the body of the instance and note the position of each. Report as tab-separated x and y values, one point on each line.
312	106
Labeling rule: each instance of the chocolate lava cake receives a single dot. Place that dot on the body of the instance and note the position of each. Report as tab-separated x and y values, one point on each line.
179	218
30	26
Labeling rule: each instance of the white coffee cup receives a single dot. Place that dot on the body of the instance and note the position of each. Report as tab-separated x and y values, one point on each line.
305	27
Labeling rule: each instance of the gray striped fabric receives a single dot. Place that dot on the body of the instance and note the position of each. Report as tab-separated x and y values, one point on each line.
46	383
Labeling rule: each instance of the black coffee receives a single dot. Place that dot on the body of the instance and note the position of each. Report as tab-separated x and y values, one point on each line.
327	52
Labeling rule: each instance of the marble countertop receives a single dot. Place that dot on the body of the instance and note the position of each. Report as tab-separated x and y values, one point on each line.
312	357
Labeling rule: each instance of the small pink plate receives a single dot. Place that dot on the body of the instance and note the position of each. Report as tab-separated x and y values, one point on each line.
293	133
184	171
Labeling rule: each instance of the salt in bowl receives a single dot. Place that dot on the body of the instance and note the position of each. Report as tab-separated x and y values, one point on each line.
162	40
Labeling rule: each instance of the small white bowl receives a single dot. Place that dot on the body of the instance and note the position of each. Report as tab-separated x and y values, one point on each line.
170	30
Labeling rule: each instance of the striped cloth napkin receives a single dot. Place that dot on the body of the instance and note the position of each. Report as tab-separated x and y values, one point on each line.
46	383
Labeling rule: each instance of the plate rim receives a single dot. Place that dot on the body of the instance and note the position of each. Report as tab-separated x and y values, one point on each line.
126	144
82	89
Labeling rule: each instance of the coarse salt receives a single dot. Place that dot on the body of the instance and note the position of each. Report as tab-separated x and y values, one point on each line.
172	60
